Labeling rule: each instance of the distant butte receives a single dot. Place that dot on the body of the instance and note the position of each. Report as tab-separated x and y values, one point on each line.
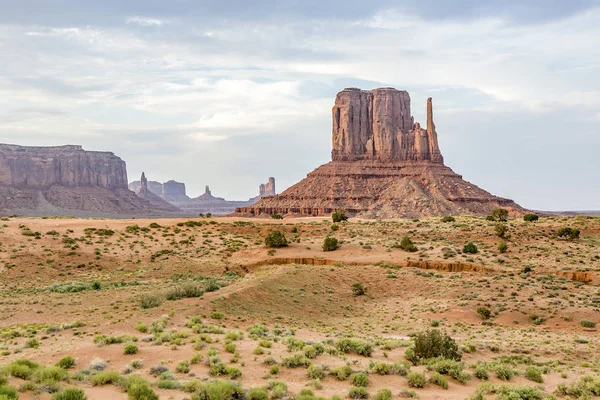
384	165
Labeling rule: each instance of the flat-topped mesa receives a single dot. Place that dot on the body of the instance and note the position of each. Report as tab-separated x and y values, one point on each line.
378	125
41	167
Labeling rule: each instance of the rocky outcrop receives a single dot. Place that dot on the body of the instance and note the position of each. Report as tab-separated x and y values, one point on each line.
42	167
174	191
66	180
267	189
378	125
157	202
384	165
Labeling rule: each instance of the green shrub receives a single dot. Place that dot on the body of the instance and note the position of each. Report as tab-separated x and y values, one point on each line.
169	384
501	230
258	393
358	393
502	246
275	239
437	379
588	324
330	244
150	300
407	245
500	214
105	378
295	361
504	372
219	390
276	216
347	345
315	372
230	347
431	344
141	391
484	312
359	379
534	374
470	248
358	289
70	394
21	368
568	233
183	367
141	327
49	374
185	291
448	218
130	348
278	389
32	343
416	380
342	373
383	394
66	362
522	392
8	393
530	217
481	372
339	216
234	372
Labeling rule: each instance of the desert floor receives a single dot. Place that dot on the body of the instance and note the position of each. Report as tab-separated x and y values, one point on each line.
204	300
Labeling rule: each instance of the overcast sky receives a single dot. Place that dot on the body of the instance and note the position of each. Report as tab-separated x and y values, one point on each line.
228	93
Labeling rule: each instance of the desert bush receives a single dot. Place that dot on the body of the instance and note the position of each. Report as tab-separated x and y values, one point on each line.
470	248
105	378
151	300
70	394
49	374
21	368
448	218
315	372
276	216
568	233
504	372
339	216
342	373
585	388
141	327
219	390
66	362
383	394
130	348
358	393
406	244
416	379
500	214
530	217
141	391
431	344
275	239
258	393
481	372
520	392
295	361
534	374
183	367
358	289
501	230
588	324
132	229
437	379
484	312
185	291
330	244
502	246
346	345
359	379
8	393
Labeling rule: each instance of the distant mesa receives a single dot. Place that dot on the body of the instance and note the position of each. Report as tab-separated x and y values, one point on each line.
65	180
384	165
175	194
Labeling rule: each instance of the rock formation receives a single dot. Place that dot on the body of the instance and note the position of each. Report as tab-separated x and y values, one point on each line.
175	193
157	201
384	165
65	180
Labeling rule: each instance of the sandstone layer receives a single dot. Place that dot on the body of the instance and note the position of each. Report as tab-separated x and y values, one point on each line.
65	180
384	165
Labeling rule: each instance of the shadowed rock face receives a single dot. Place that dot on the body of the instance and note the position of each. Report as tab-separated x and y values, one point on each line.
384	165
42	167
378	125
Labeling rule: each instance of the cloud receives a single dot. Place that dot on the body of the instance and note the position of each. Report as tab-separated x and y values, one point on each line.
144	21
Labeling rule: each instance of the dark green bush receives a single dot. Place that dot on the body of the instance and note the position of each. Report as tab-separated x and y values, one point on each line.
500	214
339	216
276	239
448	218
470	248
433	343
568	233
8	393
66	362
358	393
501	230
530	217
502	246
330	244
276	216
151	300
484	312
407	245
70	394
359	379
416	379
358	289
588	324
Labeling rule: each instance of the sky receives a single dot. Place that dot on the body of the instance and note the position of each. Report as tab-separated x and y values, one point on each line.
228	93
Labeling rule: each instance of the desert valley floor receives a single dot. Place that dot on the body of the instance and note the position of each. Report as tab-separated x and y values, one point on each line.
184	303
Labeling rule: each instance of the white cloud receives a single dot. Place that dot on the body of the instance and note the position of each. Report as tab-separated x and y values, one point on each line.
144	21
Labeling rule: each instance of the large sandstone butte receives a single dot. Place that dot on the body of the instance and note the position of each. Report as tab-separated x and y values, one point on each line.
65	180
384	165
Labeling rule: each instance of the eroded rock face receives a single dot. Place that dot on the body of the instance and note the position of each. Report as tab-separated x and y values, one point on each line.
267	189
384	165
42	167
173	189
378	125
